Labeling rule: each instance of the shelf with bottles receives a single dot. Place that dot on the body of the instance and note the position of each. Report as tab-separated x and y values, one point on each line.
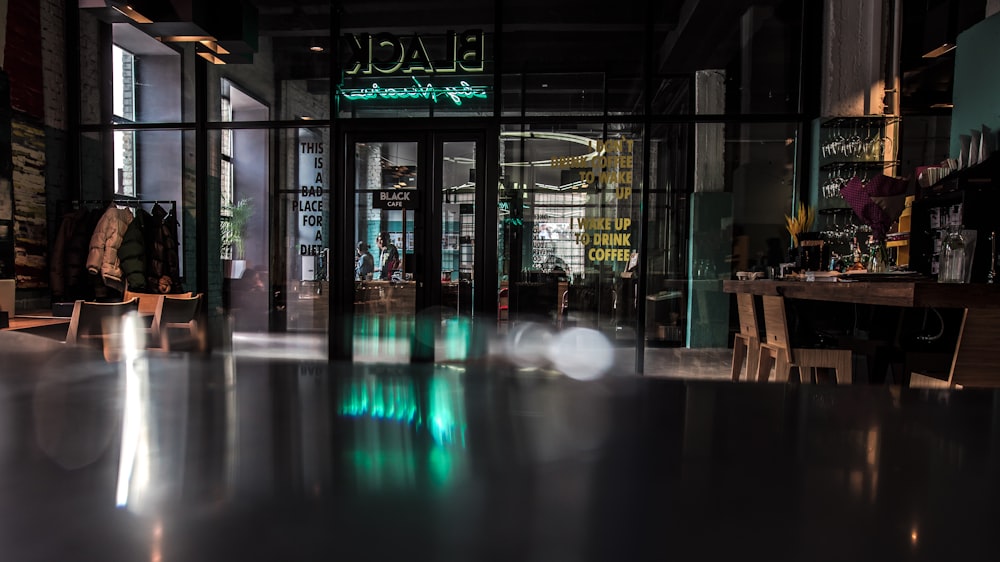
974	207
850	242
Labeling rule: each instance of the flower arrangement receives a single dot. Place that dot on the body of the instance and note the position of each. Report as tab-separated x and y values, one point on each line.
801	222
878	202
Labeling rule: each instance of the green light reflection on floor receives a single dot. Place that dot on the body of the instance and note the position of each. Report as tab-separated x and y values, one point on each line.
385	456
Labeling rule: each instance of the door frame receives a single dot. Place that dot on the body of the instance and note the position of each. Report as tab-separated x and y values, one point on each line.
427	228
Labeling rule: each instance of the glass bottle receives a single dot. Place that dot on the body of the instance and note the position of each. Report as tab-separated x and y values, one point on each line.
952	269
878	258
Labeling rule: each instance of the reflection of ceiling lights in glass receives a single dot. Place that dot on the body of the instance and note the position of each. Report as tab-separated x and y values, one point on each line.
552	213
565	137
565	187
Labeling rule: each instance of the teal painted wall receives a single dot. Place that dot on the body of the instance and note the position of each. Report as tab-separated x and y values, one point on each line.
708	306
977	82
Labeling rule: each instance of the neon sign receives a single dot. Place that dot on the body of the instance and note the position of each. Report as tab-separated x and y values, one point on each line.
387	53
455	94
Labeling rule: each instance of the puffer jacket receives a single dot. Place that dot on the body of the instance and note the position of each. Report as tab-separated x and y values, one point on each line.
162	257
171	237
132	254
107	238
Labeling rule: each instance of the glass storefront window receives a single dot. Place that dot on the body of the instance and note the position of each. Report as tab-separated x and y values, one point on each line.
666	246
571	168
755	48
146	76
147	174
673	95
305	160
568	227
564	94
718	196
300	68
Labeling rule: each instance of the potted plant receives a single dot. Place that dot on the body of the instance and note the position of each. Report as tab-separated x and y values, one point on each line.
234	233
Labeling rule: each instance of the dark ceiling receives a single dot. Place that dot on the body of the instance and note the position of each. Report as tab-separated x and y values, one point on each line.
690	35
554	37
575	37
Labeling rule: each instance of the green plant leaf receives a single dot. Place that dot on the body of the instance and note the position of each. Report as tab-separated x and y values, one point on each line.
234	231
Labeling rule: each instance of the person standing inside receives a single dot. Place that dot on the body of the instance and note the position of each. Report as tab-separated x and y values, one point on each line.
364	263
388	256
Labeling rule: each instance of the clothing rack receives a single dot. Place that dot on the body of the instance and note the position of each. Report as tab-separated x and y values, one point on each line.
124	202
94	207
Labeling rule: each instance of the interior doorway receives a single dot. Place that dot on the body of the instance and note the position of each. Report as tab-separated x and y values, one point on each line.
417	241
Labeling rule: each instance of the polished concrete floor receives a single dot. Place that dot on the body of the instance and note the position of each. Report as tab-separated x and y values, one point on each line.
685	363
278	456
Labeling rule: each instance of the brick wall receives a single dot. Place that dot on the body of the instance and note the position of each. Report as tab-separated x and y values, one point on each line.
53	48
33	55
23	57
90	68
30	224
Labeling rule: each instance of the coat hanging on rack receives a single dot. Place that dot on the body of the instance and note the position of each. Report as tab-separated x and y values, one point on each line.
163	261
68	267
132	254
104	243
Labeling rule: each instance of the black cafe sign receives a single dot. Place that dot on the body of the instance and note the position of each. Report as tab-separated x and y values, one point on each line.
395	199
388	53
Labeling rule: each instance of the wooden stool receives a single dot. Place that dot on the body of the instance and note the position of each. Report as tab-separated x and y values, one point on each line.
776	351
746	343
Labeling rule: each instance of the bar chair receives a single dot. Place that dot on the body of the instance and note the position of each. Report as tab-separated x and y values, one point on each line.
99	324
148	304
178	313
776	352
149	301
746	342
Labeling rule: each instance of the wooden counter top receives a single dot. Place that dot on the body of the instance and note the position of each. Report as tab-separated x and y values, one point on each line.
886	293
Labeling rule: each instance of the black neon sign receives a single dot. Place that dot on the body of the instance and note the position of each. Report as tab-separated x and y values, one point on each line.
388	53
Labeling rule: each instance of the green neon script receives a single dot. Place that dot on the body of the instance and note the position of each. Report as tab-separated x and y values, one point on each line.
456	94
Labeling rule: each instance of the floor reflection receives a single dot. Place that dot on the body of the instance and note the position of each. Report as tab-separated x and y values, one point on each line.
190	457
404	432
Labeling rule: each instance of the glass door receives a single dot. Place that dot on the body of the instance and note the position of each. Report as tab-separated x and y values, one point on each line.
457	182
388	187
414	245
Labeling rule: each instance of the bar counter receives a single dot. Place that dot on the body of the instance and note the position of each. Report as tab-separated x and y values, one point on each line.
974	361
909	294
